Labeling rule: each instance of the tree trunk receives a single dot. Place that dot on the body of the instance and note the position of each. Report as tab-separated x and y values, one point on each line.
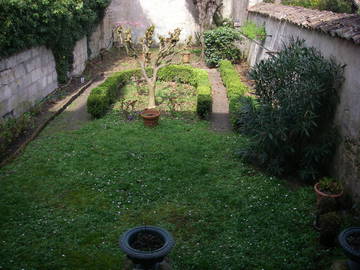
152	87
202	42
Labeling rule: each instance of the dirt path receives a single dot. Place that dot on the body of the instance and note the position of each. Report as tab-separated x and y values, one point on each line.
220	118
76	114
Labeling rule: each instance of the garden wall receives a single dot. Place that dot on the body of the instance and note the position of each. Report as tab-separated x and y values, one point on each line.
25	78
335	35
30	76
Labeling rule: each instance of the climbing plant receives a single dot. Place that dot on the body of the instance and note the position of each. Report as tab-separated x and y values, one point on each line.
56	24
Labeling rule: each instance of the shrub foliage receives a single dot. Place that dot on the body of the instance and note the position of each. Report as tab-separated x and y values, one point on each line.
219	45
340	6
291	122
56	24
104	95
236	89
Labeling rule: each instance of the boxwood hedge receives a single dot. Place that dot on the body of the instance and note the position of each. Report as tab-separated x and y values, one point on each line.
236	89
101	97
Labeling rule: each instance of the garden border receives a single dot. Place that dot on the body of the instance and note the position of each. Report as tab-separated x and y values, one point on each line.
235	87
101	97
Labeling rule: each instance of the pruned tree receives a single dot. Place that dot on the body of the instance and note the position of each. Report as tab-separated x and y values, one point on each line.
151	62
206	10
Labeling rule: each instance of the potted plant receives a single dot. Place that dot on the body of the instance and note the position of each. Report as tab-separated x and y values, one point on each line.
146	246
349	240
328	187
186	53
151	62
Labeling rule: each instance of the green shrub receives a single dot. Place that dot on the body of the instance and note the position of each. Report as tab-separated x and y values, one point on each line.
251	30
101	97
56	24
340	6
204	98
219	45
236	89
11	129
291	124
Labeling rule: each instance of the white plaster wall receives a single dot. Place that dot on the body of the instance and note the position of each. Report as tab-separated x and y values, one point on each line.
26	78
227	9
101	38
240	10
166	15
80	54
347	160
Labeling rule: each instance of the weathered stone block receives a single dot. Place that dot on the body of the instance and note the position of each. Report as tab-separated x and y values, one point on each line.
6	76
4	107
23	56
36	75
2	65
20	71
33	63
11	62
5	92
35	52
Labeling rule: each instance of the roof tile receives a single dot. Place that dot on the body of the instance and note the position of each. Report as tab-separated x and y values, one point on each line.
342	25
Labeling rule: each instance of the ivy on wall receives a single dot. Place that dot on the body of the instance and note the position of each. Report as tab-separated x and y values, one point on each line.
54	23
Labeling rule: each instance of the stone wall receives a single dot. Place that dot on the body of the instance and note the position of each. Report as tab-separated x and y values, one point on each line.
347	160
80	54
30	76
26	78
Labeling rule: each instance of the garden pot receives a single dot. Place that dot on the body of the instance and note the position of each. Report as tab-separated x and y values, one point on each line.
320	194
186	58
349	240
150	117
146	246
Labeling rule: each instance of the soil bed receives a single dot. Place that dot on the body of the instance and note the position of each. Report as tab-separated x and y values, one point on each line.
146	241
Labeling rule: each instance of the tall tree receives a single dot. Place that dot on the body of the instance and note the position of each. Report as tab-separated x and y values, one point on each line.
206	10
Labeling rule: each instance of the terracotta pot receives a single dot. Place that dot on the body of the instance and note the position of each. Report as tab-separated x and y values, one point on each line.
186	58
150	117
320	194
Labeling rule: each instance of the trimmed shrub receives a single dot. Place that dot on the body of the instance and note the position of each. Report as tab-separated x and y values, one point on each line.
101	97
219	45
291	124
236	89
204	98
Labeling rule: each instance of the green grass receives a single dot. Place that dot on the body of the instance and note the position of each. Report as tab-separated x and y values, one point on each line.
68	198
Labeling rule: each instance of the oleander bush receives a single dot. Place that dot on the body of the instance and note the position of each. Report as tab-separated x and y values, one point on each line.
56	24
219	45
291	122
101	97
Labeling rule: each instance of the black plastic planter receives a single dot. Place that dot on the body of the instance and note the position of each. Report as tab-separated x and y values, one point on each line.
147	260
350	252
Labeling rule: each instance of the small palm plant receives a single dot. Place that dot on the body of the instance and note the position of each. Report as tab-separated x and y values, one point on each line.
151	62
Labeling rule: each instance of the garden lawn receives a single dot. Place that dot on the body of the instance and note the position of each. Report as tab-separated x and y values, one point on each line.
68	198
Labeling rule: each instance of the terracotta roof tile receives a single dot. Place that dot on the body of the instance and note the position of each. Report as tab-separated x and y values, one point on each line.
342	25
